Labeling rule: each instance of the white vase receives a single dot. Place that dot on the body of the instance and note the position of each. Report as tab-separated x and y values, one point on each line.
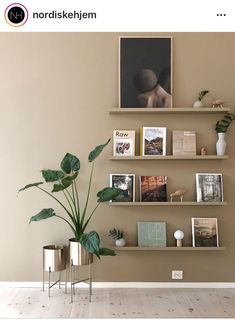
120	242
221	144
197	104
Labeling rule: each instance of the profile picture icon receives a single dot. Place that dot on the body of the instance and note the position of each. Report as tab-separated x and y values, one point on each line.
16	15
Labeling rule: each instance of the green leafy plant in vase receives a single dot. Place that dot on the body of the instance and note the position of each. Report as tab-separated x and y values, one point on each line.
221	128
64	181
201	95
117	235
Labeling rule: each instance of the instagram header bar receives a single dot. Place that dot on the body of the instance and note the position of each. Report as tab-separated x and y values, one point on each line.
117	15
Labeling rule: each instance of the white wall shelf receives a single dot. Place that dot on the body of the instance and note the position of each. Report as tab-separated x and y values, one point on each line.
188	203
169	248
168	157
168	110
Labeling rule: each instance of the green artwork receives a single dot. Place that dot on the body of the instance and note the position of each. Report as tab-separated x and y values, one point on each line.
151	234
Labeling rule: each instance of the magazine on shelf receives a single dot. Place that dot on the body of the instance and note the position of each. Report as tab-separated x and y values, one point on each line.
205	232
123	142
184	143
125	182
153	141
153	188
209	187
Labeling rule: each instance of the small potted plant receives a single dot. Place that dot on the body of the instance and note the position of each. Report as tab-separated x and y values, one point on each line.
221	128
117	235
201	95
84	244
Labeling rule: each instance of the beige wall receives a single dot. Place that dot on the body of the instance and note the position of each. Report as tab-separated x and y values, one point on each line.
56	91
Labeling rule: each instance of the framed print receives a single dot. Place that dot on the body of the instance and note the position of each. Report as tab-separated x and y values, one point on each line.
152	141
153	188
145	72
123	143
151	234
205	232
209	187
125	182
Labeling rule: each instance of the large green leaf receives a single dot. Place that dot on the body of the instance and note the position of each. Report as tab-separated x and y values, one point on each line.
52	175
91	242
108	194
70	163
67	181
59	187
35	184
43	214
107	252
97	151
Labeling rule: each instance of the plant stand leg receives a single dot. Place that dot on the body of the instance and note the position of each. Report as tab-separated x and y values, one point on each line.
74	273
43	274
43	281
66	280
90	280
59	279
49	280
71	279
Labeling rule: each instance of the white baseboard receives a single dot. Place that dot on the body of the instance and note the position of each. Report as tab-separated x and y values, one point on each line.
128	285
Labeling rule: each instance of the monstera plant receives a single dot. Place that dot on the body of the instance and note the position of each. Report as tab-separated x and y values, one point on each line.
64	181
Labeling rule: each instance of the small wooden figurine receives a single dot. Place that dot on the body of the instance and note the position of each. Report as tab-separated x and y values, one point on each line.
178	193
217	103
203	151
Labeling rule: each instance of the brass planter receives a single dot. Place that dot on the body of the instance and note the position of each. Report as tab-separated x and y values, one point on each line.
78	255
53	258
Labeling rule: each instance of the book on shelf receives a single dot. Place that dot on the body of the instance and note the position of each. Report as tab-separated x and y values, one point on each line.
205	232
153	188
209	187
184	143
151	234
153	141
125	182
123	142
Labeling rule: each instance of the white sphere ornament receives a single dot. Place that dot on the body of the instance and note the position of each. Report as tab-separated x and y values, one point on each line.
179	235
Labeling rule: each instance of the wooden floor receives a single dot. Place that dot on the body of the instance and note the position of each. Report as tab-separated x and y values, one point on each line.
118	303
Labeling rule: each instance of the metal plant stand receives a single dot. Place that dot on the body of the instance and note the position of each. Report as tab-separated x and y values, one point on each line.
53	261
74	281
79	257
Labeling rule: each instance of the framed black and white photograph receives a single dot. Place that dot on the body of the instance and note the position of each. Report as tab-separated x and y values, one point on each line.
209	187
145	72
125	182
205	232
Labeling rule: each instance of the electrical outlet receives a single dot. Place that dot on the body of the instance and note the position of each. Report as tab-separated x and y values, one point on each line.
177	274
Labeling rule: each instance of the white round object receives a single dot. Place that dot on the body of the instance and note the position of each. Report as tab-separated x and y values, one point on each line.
120	242
197	104
179	235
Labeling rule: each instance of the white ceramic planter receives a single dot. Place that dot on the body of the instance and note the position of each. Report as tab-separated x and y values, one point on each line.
221	144
197	104
120	242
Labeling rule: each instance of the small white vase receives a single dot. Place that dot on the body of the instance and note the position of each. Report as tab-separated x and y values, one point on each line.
221	144
197	104
120	242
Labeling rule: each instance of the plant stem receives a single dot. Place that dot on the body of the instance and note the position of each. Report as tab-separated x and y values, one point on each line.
86	223
88	194
67	222
71	217
78	206
71	207
74	200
